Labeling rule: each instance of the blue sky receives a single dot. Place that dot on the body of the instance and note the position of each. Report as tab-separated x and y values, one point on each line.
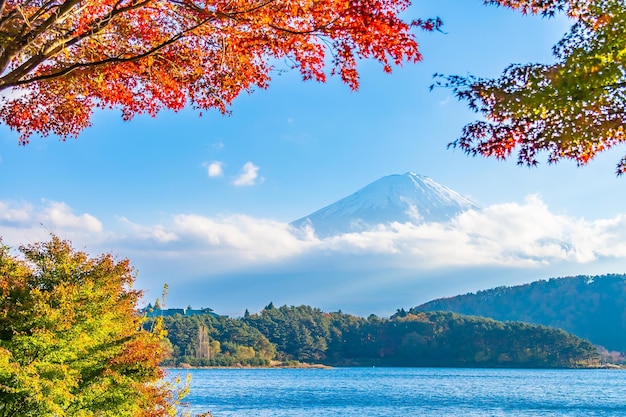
203	203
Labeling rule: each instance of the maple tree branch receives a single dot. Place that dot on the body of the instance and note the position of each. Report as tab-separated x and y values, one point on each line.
54	18
228	14
234	16
7	54
110	60
26	3
314	30
12	79
9	16
250	10
42	10
26	38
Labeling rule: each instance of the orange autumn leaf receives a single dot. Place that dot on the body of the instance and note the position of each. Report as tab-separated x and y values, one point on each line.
60	59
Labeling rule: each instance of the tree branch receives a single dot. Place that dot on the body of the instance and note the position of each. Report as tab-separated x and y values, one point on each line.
12	79
43	9
250	10
111	60
314	30
55	17
26	38
15	77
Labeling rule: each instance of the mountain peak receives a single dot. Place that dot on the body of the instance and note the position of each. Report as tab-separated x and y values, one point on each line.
403	198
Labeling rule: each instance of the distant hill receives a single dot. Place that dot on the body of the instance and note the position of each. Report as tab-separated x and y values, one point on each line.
309	335
592	307
407	198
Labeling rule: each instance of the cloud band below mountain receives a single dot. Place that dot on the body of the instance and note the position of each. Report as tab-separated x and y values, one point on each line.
510	234
192	246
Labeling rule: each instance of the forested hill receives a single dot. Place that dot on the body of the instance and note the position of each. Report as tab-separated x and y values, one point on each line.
309	335
592	307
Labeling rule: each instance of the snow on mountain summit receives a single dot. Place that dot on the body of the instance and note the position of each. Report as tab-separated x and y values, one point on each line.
395	198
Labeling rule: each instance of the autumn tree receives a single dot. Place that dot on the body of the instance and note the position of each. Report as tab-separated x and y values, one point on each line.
71	342
60	59
571	109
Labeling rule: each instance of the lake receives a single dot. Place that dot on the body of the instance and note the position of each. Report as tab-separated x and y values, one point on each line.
378	392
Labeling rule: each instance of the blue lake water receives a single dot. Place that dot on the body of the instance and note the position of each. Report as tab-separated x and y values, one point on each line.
378	392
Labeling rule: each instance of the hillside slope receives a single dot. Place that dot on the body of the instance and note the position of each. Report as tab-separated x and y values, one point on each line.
592	307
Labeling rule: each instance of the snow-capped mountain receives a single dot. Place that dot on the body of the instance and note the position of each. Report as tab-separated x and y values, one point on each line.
395	198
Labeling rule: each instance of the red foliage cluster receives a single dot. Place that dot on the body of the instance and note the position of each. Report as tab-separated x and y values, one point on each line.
60	59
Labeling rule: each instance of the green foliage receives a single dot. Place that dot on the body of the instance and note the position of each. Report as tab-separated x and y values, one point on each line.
570	109
71	342
446	339
591	307
300	332
231	342
309	335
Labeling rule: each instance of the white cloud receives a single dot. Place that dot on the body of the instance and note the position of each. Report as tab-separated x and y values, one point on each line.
156	233
15	213
60	215
512	235
246	236
520	236
248	176
215	169
53	215
235	261
23	223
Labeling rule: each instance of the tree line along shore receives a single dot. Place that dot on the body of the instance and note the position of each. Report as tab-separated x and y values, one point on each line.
303	336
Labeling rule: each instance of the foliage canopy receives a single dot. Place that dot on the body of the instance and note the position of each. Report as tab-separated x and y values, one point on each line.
309	335
61	58
571	109
71	342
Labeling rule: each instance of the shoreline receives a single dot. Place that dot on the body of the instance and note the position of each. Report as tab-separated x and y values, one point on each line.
273	365
301	365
